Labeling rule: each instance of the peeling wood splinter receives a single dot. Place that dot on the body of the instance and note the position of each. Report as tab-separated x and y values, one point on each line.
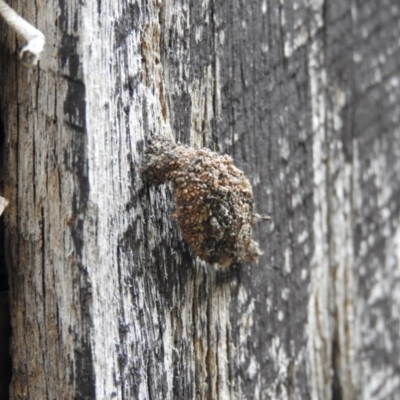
34	39
214	200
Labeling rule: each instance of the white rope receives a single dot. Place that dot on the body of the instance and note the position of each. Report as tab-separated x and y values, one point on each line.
3	204
33	38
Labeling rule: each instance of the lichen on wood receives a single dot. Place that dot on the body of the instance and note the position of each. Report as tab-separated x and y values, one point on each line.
214	200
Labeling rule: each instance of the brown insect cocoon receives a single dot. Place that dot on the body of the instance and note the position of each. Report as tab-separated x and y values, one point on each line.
214	200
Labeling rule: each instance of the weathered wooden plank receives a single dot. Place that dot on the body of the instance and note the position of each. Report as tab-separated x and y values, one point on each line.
107	300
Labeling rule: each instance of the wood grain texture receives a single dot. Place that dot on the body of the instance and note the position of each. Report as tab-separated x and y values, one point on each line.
106	299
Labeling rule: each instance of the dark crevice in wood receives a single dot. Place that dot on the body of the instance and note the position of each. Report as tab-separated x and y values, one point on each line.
5	325
336	385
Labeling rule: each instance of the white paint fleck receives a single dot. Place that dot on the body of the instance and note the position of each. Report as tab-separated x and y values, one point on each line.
302	237
264	48
252	368
228	141
264	7
281	315
284	148
198	33
303	274
296	199
268	303
287	267
222	37
357	57
282	176
340	97
285	294
394	81
242	295
288	49
255	179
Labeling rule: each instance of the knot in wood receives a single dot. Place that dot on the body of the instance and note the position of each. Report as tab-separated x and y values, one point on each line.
214	200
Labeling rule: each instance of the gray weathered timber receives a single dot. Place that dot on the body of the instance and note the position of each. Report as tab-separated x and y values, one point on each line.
106	299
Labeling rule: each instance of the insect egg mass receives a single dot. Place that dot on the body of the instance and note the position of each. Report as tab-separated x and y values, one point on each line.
214	200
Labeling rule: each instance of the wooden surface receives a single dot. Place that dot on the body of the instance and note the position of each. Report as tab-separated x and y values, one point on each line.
106	299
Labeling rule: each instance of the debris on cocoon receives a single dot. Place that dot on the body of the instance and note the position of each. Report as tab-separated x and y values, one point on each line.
214	200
